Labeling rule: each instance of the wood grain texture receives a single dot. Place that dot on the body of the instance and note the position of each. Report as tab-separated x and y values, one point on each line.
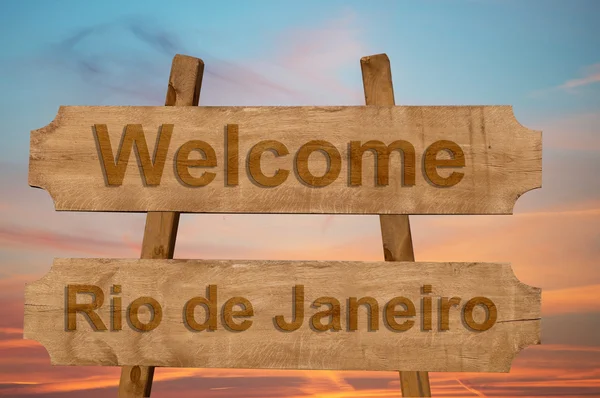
268	286
502	159
160	233
395	229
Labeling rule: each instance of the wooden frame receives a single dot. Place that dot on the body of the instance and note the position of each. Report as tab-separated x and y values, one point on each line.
505	161
161	227
160	233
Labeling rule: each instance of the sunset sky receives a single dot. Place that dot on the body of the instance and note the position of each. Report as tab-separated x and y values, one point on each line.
541	56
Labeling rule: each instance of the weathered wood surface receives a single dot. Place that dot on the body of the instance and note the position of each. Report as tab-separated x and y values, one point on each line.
502	160
395	228
160	233
268	285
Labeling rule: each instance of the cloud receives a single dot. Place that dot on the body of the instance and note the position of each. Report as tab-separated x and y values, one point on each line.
126	61
591	76
106	70
542	371
552	249
43	238
314	55
162	40
567	329
580	299
576	132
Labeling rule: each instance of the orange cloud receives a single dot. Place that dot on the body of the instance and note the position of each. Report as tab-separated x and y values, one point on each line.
17	343
579	299
11	330
555	249
561	368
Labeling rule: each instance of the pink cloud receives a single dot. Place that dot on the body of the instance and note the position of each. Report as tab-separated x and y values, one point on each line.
312	59
43	238
572	132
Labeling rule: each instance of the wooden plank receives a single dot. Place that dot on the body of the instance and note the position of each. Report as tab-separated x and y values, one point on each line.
160	233
395	229
411	339
73	158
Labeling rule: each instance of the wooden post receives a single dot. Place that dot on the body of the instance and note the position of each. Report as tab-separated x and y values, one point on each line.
395	229
160	233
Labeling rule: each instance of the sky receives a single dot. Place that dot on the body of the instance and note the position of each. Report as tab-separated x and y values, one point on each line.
540	56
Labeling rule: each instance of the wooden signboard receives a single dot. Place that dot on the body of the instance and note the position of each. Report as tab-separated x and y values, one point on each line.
283	314
360	160
376	159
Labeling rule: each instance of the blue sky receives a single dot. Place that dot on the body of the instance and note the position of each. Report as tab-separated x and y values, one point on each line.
442	52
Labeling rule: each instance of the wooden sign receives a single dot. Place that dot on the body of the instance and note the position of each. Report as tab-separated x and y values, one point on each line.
283	314
362	160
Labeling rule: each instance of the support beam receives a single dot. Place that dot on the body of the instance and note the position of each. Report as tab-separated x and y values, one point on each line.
160	233
395	229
